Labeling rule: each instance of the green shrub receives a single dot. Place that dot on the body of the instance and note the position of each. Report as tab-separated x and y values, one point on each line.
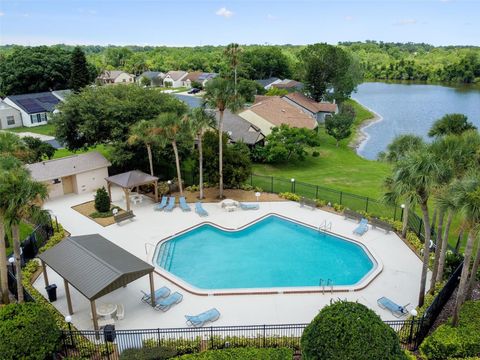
321	203
413	240
192	188
102	200
290	196
459	342
347	330
153	353
28	331
338	207
242	354
182	346
163	188
316	153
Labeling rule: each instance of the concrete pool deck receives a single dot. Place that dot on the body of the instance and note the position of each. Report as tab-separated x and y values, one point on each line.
399	279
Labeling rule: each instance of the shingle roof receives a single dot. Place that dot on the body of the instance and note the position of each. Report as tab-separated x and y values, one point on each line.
36	102
266	82
277	112
131	179
288	84
110	74
176	75
61	94
151	75
310	104
239	129
192	76
94	265
70	165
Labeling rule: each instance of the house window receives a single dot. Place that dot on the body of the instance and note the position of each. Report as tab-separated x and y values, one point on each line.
10	120
124	80
38	118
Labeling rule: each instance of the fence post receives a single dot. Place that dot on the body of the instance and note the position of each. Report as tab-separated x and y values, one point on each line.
316	192
366	205
420	227
251	179
264	335
341	197
211	336
271	185
394	213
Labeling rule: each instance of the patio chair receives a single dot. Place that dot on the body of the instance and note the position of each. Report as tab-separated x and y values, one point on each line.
159	294
161	205
245	206
183	204
200	319
171	204
200	210
166	303
397	310
362	227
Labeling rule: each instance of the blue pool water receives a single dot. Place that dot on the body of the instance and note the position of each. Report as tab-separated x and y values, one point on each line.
273	252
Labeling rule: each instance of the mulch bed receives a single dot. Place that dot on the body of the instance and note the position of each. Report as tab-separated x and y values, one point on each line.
88	208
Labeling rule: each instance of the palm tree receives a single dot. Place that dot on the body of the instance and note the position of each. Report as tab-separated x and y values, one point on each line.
221	95
200	119
414	177
23	196
171	128
232	51
7	164
12	145
466	194
145	131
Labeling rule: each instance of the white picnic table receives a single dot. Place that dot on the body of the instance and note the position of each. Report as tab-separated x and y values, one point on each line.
106	309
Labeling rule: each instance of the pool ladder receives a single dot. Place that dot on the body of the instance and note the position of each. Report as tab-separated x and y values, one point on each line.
325	226
322	284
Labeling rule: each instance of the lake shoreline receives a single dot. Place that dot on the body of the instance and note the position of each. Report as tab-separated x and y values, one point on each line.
361	137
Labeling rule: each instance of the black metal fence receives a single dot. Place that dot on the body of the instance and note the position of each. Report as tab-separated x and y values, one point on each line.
110	343
352	201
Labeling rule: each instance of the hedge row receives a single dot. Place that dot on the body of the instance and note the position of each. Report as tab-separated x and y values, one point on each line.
456	342
241	354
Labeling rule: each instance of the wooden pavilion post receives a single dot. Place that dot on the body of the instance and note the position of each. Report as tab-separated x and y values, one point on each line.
152	289
69	299
155	190
44	270
127	197
109	188
93	309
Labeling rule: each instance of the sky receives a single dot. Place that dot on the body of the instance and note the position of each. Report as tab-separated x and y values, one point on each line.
201	22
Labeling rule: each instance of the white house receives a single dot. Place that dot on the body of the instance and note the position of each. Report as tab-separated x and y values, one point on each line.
198	76
109	77
155	77
268	83
73	174
174	79
9	116
35	108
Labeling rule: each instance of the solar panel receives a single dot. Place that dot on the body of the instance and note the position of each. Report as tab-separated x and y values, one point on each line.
31	106
49	99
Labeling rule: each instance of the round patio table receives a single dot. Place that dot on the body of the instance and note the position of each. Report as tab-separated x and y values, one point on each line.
106	309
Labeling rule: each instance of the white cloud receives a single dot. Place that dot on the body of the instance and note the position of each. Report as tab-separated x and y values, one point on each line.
272	17
348	18
405	22
2	13
224	12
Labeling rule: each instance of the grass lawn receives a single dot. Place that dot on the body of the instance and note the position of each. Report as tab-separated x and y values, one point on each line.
25	230
339	168
48	129
102	149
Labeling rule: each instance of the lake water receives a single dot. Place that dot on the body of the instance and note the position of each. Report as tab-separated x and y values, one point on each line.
411	108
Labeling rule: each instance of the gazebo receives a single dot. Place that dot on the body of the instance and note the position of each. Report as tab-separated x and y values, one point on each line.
130	180
95	267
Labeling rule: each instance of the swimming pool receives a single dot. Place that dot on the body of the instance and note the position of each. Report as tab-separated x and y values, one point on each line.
272	252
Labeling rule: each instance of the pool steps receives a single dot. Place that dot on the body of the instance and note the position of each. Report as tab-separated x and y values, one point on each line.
166	254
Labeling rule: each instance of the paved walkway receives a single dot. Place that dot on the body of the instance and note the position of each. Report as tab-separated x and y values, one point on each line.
399	280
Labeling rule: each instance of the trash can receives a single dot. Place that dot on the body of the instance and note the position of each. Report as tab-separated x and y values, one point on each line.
52	292
109	333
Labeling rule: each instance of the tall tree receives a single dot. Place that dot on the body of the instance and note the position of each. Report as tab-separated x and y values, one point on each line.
146	132
329	72
413	177
339	126
171	129
12	145
7	164
80	74
220	94
232	51
200	120
23	196
451	124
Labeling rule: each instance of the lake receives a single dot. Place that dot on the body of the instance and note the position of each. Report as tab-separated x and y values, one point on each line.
411	108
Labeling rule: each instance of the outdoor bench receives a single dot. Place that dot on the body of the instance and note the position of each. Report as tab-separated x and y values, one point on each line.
308	202
377	223
127	215
350	214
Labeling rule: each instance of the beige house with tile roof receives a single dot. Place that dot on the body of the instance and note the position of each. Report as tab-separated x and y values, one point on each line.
318	110
273	112
174	79
72	174
109	77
